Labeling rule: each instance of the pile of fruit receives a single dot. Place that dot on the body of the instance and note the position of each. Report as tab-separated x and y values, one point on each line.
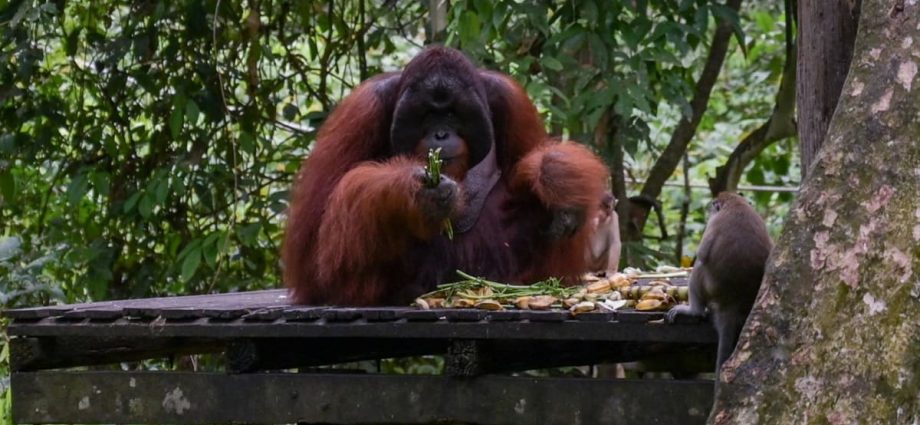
630	289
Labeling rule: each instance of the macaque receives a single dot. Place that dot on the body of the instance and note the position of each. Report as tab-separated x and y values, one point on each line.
729	267
604	245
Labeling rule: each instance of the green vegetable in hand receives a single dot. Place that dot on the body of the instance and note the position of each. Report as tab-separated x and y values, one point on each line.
433	179
433	172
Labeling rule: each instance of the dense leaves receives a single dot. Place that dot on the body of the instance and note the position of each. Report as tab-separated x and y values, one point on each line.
148	146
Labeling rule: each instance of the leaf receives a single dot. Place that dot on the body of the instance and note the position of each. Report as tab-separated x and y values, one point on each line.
8	186
179	186
500	9
470	27
161	190
77	189
223	244
72	41
781	165
598	51
191	112
755	176
175	122
211	248
24	8
484	8
190	264
210	255
101	183
290	111
7	143
145	206
193	245
588	11
131	202
551	63
723	12
10	247
249	233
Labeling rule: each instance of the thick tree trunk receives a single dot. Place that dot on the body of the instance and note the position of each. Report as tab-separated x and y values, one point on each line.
827	29
835	334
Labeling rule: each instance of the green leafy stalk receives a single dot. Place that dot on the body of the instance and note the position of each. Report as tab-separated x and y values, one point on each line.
500	291
433	172
433	179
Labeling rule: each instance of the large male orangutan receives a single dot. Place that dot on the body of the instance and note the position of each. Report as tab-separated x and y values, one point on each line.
364	229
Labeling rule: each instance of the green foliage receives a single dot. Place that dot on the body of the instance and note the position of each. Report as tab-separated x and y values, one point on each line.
583	58
6	395
424	365
743	100
148	148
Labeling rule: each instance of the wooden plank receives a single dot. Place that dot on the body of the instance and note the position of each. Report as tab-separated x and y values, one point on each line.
200	398
516	330
632	316
256	354
424	315
170	313
94	313
341	314
234	301
597	317
546	316
478	357
268	314
504	316
35	313
303	313
251	299
61	352
464	315
251	355
383	314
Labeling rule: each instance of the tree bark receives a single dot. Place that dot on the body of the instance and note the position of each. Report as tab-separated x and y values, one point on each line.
827	29
437	20
835	334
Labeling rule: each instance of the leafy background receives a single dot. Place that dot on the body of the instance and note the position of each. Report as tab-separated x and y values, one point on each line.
147	147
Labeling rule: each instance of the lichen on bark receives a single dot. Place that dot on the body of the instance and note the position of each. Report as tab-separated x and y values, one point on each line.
835	334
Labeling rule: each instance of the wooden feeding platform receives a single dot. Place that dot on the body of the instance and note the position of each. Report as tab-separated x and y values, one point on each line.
273	353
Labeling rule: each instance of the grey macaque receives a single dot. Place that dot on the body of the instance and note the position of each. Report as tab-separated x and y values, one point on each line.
729	267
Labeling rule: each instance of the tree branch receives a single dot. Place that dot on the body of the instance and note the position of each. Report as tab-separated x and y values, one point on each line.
666	164
684	213
780	125
362	50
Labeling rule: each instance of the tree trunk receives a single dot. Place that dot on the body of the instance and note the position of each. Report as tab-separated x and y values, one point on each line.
827	29
437	20
835	334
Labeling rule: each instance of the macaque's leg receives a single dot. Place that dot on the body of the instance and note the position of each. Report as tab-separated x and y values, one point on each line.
728	325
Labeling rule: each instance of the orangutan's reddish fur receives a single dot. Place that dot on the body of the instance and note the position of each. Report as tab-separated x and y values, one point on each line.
355	234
